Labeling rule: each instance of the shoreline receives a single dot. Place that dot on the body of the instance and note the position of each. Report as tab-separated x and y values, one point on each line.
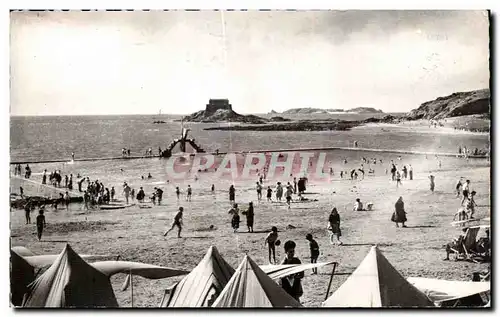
359	149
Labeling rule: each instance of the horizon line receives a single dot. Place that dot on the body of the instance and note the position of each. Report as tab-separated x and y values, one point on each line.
163	114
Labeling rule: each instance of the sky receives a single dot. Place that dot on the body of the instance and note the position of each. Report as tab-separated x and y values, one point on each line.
98	63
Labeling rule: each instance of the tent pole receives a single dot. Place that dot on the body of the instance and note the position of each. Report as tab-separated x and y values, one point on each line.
331	278
131	289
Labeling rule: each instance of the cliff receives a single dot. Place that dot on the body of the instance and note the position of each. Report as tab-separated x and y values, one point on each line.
454	105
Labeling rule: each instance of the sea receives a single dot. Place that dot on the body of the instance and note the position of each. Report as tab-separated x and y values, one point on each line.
43	138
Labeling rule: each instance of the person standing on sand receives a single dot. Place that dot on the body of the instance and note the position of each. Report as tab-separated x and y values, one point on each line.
271	241
159	195
334	226
232	194
132	194
399	215
67	200
73	156
259	191
126	191
432	184
393	172
177	223
405	172
40	223
288	194
140	195
269	194
235	220
212	189
113	193
44	177
411	173
471	204
279	192
314	248
189	193
27	211
465	191
458	187
177	192
250	216
292	283
295	185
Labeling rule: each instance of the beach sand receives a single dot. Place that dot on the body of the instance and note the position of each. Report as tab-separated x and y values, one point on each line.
137	234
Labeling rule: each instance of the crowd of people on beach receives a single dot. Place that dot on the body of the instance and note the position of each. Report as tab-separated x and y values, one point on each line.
95	194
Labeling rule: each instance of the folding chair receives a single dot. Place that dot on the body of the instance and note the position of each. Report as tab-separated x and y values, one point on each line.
470	243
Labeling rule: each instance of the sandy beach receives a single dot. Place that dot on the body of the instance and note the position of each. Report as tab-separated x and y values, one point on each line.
136	234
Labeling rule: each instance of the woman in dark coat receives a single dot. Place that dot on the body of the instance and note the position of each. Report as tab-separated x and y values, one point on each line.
399	214
249	213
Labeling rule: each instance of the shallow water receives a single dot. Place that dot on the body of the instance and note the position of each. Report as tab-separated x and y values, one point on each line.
55	138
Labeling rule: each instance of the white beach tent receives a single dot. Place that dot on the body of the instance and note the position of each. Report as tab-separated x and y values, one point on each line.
442	290
72	282
251	287
376	283
200	287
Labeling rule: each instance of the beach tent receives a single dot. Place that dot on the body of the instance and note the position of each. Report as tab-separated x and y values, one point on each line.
442	290
200	287
252	287
25	265
72	282
21	275
376	283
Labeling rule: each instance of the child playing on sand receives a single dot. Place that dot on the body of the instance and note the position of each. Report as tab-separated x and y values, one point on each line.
398	179
314	248
177	222
271	241
40	223
177	192
432	184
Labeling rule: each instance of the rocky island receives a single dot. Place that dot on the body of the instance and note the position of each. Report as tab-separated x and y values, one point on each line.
220	110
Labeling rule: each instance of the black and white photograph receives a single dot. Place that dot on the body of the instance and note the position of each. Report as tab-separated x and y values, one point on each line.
250	158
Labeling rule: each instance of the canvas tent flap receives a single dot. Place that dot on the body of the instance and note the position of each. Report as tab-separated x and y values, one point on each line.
251	287
376	283
21	275
110	268
278	271
202	286
443	290
22	251
70	282
41	261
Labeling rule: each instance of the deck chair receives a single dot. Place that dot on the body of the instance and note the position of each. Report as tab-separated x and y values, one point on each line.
464	247
470	243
